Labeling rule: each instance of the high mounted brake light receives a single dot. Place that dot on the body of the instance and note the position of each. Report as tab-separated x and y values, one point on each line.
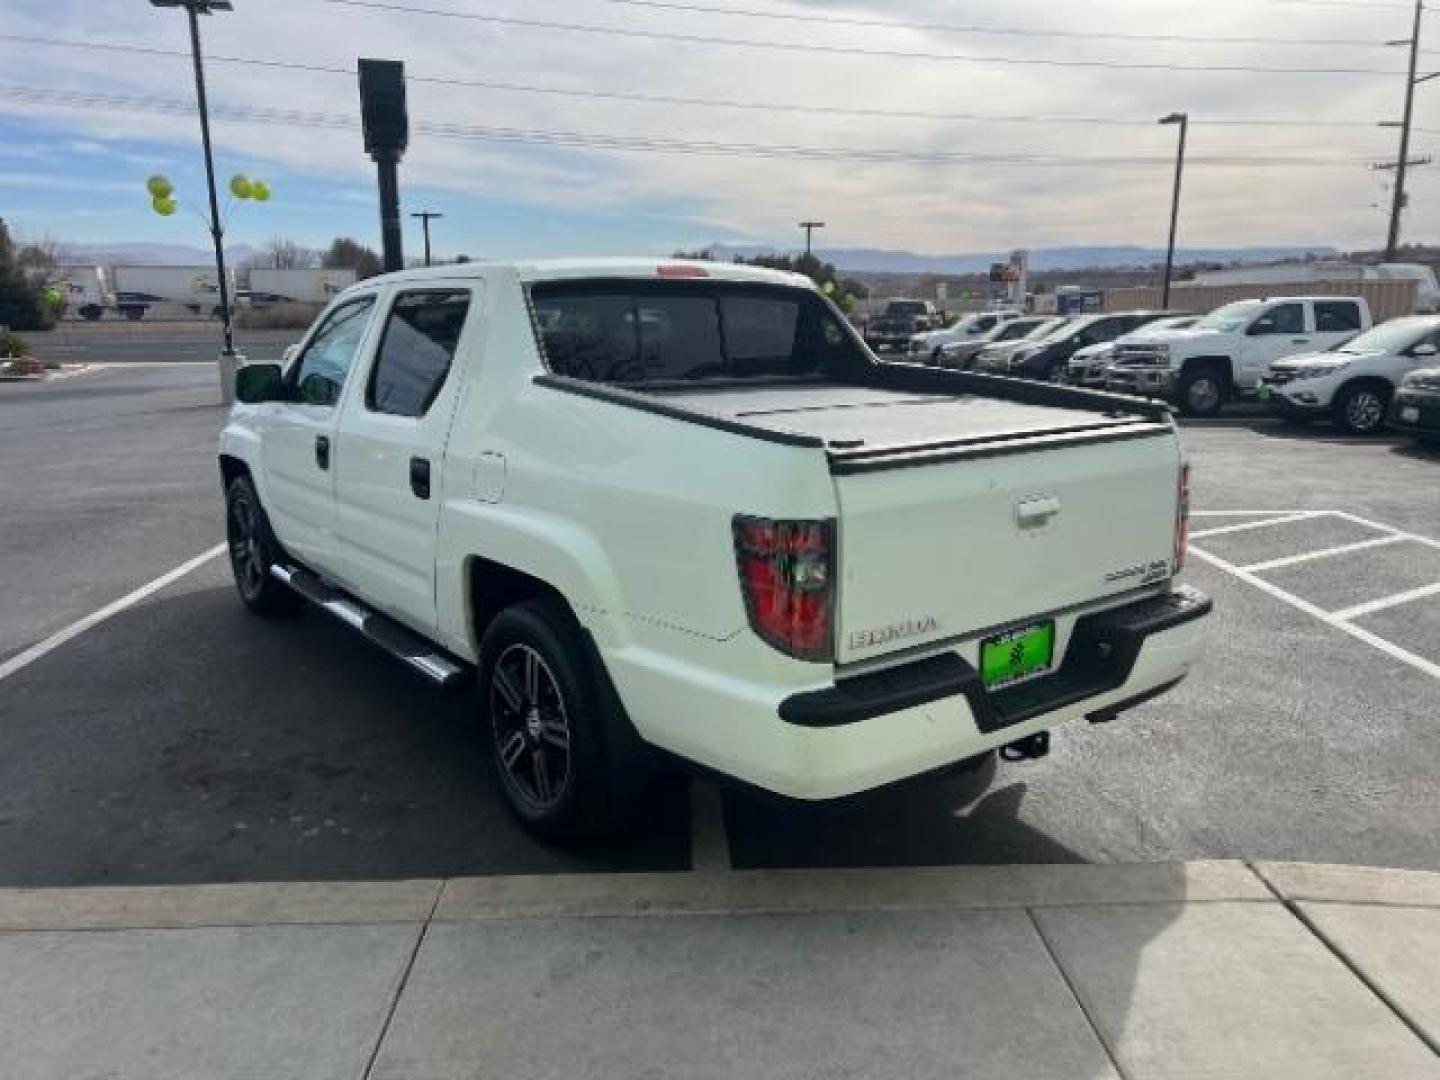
1182	518
673	270
787	578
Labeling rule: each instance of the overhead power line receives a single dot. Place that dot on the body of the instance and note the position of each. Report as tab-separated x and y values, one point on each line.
708	103
851	50
658	144
995	31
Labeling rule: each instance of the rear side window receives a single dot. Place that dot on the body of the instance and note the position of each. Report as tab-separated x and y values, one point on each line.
641	332
1333	317
416	351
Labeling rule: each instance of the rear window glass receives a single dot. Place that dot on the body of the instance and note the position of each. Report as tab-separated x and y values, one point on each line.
1336	316
638	332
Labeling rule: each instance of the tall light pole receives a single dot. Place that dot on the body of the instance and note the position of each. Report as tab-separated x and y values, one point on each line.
1183	119
426	216
1397	208
810	227
194	9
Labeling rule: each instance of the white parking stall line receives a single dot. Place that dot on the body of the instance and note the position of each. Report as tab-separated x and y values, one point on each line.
1246	526
1325	553
1419	663
23	660
1359	611
1386	528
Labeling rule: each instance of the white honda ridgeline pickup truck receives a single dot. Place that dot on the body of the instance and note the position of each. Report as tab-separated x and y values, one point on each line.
679	510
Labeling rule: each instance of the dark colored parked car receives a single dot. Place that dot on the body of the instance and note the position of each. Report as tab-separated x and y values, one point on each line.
1415	409
1050	361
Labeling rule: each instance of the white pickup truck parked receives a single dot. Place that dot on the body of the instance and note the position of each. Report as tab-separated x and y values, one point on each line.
679	510
1227	352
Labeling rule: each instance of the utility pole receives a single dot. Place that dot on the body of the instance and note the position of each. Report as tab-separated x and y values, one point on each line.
1392	245
426	216
810	227
194	9
1183	119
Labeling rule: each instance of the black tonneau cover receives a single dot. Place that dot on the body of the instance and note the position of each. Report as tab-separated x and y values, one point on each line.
903	415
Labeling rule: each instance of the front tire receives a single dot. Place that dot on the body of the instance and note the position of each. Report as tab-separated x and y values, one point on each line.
547	723
1202	392
253	550
1360	410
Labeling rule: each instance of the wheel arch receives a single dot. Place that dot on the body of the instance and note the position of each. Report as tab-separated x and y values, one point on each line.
1218	362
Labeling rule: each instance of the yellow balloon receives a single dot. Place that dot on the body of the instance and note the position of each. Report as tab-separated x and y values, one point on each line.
164	207
240	186
259	191
159	186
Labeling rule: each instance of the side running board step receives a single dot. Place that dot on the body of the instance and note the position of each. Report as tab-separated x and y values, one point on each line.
385	632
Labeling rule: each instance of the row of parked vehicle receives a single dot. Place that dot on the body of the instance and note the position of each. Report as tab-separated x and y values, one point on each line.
1306	358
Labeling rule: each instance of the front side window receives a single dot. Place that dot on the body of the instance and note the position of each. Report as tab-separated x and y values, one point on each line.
326	361
416	351
644	332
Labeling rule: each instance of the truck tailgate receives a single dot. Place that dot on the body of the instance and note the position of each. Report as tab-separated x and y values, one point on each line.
989	538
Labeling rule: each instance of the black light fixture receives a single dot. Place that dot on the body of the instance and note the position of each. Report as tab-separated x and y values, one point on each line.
1183	119
194	9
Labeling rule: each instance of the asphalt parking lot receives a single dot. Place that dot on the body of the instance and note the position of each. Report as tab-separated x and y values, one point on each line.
182	740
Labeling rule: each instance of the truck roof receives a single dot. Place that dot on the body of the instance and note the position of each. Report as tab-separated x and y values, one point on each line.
533	270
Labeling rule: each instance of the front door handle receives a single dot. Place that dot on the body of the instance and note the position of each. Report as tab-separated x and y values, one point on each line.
1300	341
322	451
420	477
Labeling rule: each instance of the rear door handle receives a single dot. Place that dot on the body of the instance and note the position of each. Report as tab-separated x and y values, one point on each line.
420	477
1300	341
322	451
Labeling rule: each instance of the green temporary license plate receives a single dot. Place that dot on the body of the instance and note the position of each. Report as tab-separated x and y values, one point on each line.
1263	393
1017	655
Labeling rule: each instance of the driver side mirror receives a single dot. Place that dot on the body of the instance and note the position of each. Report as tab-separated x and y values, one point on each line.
1261	327
255	383
1425	348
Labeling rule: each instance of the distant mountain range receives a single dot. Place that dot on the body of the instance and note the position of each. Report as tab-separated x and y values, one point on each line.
143	254
881	261
849	260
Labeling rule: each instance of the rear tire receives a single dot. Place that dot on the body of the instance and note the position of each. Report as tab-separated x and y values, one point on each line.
548	725
1360	410
1202	392
253	550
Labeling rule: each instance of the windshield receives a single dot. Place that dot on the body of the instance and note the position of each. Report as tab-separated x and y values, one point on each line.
1046	329
1019	328
902	308
1392	337
1231	316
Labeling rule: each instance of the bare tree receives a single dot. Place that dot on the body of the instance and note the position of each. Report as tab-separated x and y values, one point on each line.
282	254
43	253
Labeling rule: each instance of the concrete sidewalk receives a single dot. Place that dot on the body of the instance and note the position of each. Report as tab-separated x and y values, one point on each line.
1017	973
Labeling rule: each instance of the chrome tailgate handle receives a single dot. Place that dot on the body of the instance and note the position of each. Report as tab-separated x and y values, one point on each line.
1033	513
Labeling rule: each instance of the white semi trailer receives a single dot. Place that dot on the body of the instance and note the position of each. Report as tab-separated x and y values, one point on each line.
166	292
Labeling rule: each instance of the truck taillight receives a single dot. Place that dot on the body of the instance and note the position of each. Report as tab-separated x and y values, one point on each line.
1182	519
787	578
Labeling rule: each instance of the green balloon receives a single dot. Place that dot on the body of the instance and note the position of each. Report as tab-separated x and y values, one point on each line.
259	191
164	207
240	186
159	186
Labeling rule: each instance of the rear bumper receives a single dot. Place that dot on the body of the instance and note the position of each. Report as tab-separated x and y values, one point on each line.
871	730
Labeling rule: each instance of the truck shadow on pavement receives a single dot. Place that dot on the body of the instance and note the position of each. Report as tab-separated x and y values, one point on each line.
185	741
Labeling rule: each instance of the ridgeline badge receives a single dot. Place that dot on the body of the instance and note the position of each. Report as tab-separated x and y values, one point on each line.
884	635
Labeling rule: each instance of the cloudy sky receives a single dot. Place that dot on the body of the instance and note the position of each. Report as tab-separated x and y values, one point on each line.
930	125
